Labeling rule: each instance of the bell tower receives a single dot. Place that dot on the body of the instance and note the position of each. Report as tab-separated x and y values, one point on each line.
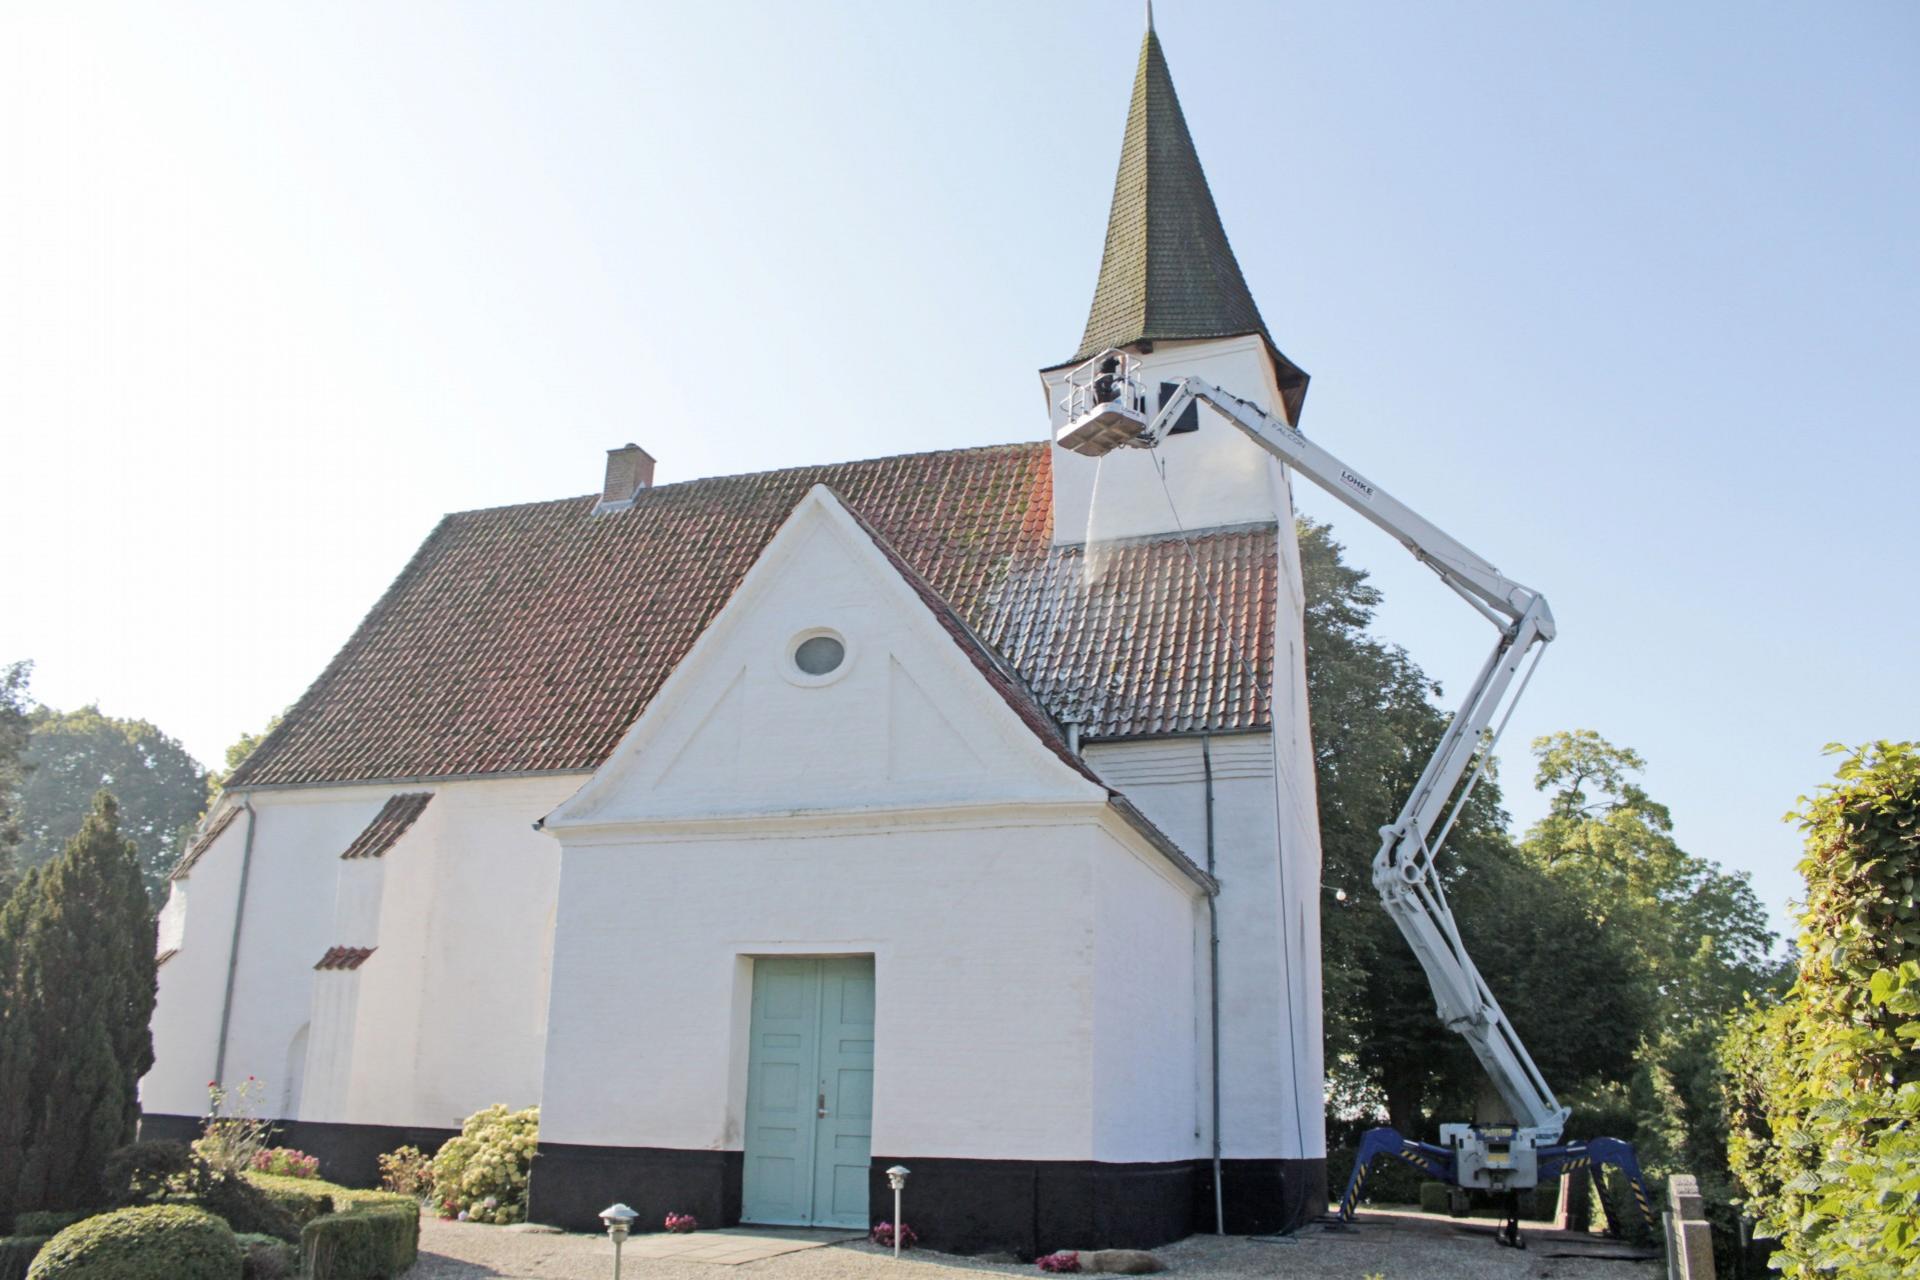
1171	294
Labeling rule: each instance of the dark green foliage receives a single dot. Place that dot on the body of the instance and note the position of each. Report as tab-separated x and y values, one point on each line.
13	766
302	1199
159	1242
1824	1087
363	1244
1553	967
76	993
72	754
146	1172
1435	1197
48	1224
265	1258
17	1254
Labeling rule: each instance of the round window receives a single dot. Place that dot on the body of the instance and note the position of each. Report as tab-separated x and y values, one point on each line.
819	655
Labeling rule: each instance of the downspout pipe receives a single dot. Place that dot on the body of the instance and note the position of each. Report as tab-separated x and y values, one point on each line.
1213	990
233	947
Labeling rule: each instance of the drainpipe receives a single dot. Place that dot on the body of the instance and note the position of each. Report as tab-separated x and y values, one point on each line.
1213	989
233	948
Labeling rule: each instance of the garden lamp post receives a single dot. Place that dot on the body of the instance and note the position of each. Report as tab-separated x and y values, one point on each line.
619	1219
897	1179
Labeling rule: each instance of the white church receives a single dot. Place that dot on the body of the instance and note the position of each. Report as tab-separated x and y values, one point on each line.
771	830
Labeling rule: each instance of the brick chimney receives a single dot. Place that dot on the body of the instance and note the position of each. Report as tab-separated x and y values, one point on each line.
629	470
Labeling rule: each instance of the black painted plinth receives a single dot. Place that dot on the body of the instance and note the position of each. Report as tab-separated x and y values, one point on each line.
572	1183
1260	1197
349	1154
1031	1207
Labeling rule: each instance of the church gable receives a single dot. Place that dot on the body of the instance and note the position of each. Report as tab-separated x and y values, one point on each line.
833	680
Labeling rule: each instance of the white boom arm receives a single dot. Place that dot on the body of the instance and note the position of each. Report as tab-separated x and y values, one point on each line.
1404	871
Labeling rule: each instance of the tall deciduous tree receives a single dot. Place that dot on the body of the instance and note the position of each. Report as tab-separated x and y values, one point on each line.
76	995
162	790
1700	950
1375	724
237	753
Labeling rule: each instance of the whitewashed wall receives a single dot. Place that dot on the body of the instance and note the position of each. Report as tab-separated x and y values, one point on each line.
900	809
445	1018
1216	476
990	996
1264	1046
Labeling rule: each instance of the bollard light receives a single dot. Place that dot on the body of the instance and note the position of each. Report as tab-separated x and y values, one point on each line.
897	1179
619	1219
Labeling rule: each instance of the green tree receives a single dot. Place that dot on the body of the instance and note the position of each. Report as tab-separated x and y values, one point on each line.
73	754
1701	949
76	995
13	766
237	753
1552	966
1824	1087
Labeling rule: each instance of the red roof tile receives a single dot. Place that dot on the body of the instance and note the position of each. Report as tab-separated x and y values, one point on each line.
395	816
344	957
527	639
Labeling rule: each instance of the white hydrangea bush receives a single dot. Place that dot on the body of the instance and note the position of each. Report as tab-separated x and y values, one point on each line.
481	1176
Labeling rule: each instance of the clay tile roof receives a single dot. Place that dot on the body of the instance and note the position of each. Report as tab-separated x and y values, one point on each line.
527	639
1167	271
395	816
1013	689
203	842
344	957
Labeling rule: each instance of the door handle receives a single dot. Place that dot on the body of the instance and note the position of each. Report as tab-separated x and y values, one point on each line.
821	1113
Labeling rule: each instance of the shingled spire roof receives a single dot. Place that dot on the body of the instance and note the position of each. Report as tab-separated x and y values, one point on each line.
1168	272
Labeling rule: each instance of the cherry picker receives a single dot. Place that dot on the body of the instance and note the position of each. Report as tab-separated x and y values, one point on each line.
1109	407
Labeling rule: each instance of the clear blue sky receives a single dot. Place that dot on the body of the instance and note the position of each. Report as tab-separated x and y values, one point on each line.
1624	295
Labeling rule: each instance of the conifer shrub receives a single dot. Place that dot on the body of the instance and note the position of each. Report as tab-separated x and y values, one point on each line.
362	1244
157	1242
76	994
481	1175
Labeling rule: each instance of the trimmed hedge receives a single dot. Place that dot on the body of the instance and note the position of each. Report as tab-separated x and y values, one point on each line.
159	1242
265	1258
303	1198
49	1222
362	1244
17	1254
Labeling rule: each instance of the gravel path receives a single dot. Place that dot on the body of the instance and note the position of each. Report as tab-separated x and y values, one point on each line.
1397	1248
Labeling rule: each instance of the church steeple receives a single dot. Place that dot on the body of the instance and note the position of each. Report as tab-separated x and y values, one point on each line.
1168	273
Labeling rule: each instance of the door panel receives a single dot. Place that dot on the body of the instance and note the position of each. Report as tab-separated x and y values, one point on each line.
810	1092
777	1177
844	1143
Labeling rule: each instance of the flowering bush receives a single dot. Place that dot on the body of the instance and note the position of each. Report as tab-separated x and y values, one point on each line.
408	1172
1065	1260
882	1235
481	1176
682	1223
286	1163
234	1133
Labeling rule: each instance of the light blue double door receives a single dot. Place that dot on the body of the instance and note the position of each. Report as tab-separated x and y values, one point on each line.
809	1092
